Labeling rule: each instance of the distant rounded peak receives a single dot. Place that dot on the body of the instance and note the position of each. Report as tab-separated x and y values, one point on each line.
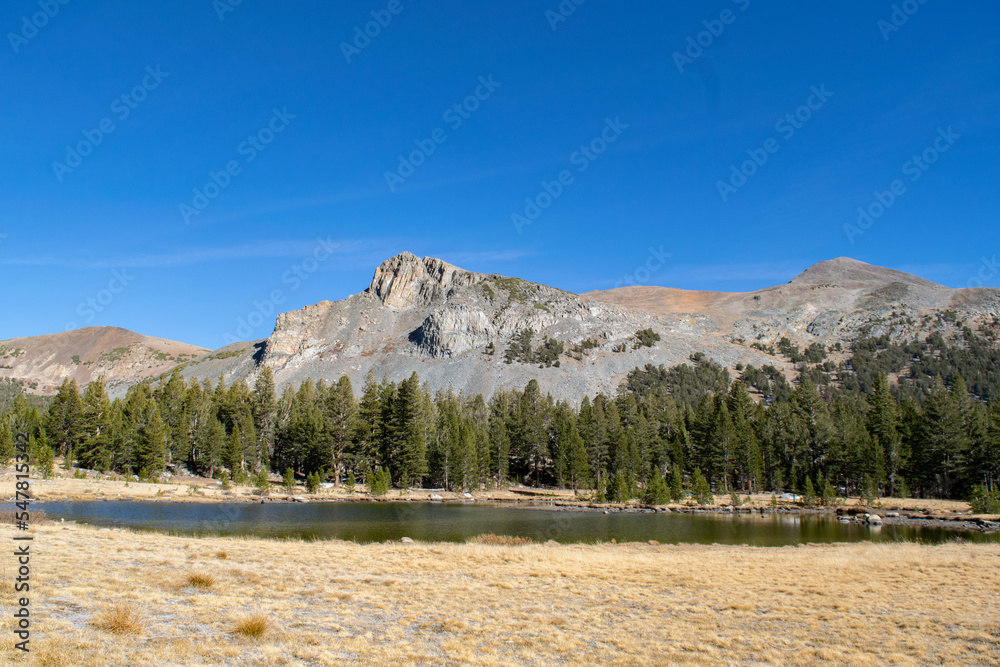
848	272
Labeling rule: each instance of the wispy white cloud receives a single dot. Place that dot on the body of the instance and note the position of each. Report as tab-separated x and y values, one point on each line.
192	256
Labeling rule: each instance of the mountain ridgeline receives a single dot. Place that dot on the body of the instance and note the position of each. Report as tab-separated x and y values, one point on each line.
849	379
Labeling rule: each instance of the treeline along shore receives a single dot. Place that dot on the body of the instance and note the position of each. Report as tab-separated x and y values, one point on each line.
667	433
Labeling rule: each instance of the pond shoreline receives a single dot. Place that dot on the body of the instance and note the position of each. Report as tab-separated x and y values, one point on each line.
951	515
857	514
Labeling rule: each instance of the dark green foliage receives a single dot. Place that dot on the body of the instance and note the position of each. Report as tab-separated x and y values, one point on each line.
646	338
984	501
685	383
313	480
378	482
769	381
288	482
579	349
676	485
657	492
46	459
351	483
548	352
701	492
261	483
520	349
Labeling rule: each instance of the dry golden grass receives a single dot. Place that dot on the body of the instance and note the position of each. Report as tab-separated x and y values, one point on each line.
501	540
254	626
120	618
335	603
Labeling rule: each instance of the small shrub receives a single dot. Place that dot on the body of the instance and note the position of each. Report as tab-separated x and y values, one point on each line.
379	482
201	580
646	338
984	501
313	480
700	490
288	482
254	626
121	618
262	483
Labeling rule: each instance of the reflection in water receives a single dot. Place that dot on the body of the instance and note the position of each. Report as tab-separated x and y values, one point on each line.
456	522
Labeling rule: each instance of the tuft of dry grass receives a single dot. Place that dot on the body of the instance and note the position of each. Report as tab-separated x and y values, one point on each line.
501	540
254	626
120	618
222	554
202	580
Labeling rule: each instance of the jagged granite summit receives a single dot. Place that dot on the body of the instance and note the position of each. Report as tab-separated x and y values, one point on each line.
429	316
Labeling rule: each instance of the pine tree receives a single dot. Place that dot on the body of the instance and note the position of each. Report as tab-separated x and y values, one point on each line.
264	410
65	417
883	424
676	485
151	447
340	414
944	443
700	489
408	447
288	482
369	425
6	442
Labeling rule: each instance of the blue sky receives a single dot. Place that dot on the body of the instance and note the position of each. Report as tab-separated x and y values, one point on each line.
621	123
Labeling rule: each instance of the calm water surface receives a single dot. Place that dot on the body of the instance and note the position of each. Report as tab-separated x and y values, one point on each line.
457	522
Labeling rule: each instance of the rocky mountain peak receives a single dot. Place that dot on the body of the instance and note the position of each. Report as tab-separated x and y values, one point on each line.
406	281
